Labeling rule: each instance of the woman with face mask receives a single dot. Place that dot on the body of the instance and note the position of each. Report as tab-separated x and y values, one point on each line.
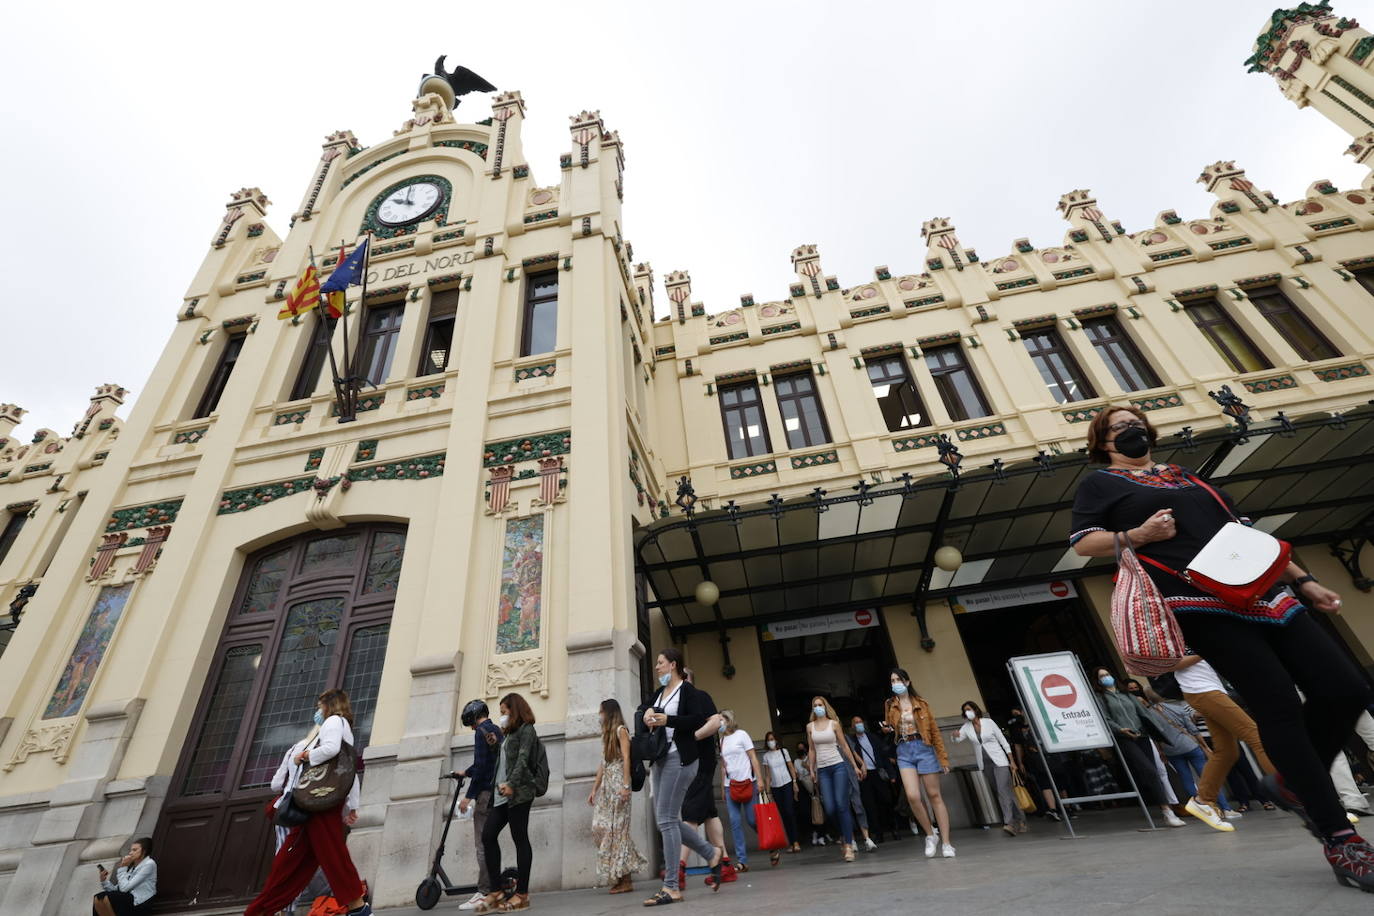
1268	651
988	741
739	765
921	759
510	806
1133	732
779	778
830	761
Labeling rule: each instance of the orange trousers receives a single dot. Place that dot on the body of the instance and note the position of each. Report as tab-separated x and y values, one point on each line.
1228	724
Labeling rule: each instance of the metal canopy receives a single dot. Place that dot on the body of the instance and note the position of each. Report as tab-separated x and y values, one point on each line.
1308	480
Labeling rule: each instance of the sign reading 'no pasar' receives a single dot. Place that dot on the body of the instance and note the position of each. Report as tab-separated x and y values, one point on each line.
1059	704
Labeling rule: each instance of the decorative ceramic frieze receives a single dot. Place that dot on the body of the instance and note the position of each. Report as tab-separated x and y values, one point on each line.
938	339
1170	255
742	375
909	442
1338	373
314	459
36	468
970	433
245	498
251	278
449	235
1082	414
543	370
928	300
1095	311
369	167
780	328
190	436
420	468
366	450
729	338
1233	243
163	513
754	469
105	424
1332	224
527	448
1196	292
425	391
1074	274
1276	383
811	461
1159	402
1017	284
869	312
1261	280
540	217
471	146
287	417
670	350
1034	322
365	403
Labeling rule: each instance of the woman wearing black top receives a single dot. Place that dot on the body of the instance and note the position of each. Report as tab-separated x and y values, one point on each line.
681	709
1267	651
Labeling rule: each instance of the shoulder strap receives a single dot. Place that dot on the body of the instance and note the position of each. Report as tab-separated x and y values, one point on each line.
1215	495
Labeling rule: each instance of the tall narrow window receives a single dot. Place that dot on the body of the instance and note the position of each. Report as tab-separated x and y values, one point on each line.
802	417
1124	361
219	379
1226	337
381	327
13	525
1057	366
955	381
1292	324
438	349
897	396
741	412
316	352
539	324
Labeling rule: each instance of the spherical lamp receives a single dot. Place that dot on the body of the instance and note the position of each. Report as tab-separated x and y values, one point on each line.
949	558
707	593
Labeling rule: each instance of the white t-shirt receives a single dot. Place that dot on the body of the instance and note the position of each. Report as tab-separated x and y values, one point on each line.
734	750
776	761
669	706
1199	678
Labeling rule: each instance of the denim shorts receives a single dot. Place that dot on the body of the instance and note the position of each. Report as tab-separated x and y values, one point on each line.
915	754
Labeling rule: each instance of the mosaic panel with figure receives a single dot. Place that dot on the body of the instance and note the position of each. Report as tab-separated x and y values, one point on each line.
90	649
522	582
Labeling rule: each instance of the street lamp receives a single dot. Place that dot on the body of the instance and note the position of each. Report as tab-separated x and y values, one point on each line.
949	455
686	496
949	558
1232	406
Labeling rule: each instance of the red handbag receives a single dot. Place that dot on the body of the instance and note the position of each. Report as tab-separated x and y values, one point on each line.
1146	631
741	790
769	825
1239	564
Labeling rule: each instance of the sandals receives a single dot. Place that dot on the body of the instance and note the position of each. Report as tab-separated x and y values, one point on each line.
1268	806
849	852
741	867
662	898
774	858
623	886
715	872
515	903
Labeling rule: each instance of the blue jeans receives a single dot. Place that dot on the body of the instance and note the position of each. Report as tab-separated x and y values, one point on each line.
1186	764
739	813
833	782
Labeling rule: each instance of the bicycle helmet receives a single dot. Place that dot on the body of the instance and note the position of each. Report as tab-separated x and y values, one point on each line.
472	712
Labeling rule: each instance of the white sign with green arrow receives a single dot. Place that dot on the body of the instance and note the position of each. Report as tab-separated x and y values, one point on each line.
1059	702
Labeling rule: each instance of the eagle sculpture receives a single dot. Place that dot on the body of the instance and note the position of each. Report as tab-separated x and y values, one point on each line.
450	86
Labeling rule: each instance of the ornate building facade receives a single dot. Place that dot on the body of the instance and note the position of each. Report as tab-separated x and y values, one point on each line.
544	484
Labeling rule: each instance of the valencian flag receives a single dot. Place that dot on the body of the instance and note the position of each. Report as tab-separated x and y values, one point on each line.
304	296
348	273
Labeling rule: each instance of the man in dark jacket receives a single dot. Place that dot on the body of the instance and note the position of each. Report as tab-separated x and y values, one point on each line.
873	751
481	776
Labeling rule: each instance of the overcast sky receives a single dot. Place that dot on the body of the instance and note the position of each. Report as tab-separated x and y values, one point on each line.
749	128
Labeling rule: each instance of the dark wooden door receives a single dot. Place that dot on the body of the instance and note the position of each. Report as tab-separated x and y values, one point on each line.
309	614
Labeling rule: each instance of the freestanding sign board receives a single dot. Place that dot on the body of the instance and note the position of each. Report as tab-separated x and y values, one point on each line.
1059	702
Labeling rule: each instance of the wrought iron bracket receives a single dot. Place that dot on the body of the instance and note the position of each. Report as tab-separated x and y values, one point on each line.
1347	551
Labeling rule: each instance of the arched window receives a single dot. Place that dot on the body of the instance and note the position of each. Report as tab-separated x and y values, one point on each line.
309	614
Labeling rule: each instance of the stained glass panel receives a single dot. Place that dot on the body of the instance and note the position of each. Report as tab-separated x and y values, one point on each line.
384	566
224	718
363	678
330	553
298	677
264	588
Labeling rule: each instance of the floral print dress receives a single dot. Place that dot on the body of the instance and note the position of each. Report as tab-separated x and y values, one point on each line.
616	855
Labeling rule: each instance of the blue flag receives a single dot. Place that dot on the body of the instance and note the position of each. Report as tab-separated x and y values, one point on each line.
347	274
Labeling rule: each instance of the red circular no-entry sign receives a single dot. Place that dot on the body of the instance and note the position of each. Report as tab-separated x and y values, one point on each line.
1059	589
863	618
1059	690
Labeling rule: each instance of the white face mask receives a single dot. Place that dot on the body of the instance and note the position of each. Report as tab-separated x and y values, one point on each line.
502	720
772	745
968	714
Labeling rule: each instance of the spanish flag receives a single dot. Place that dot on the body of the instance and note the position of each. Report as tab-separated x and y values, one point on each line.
305	296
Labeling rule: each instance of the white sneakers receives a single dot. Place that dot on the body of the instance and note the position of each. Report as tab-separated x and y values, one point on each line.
869	845
932	841
915	831
473	901
1232	815
1208	815
1171	819
947	851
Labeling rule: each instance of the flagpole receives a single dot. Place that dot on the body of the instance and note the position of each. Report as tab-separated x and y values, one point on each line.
356	385
347	414
325	329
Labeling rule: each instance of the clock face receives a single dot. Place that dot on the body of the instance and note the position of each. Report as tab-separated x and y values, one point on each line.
409	204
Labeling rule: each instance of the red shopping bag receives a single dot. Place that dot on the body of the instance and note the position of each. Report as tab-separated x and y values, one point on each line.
771	834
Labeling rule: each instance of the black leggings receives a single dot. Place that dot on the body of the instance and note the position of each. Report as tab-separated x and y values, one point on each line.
1141	762
1266	663
518	816
786	810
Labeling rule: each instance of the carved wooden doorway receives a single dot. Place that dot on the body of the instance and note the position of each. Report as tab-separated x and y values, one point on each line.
310	613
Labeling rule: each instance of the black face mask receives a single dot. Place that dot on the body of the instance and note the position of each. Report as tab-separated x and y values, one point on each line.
1133	442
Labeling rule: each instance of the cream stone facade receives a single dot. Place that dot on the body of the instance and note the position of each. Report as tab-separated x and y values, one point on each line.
504	512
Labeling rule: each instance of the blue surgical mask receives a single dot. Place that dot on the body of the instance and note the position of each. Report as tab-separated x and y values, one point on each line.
819	711
1107	680
899	688
319	717
859	729
663	679
722	728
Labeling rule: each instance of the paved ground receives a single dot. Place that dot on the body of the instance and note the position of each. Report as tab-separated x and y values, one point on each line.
1268	866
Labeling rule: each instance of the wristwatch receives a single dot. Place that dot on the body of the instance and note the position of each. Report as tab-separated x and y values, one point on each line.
1300	581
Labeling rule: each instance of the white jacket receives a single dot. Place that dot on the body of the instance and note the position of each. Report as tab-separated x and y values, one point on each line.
991	742
331	736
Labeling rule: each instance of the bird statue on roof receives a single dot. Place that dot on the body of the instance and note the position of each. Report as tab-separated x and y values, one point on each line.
450	86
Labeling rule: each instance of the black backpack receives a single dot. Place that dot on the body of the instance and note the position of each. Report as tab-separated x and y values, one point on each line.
540	768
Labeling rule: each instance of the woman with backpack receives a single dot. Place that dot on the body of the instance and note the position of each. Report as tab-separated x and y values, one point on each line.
617	859
520	768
